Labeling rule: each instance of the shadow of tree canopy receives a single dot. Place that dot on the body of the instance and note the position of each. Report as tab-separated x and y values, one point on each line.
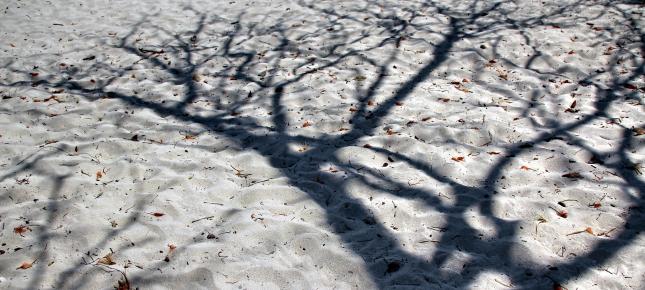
378	56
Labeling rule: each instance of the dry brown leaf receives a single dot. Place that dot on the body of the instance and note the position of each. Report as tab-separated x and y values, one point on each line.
21	230
458	158
99	174
572	175
25	265
306	124
156	214
106	260
638	131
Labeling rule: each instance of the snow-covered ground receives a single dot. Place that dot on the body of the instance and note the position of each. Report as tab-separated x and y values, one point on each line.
322	144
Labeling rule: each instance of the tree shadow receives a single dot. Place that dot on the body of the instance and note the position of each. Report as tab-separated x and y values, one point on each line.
375	35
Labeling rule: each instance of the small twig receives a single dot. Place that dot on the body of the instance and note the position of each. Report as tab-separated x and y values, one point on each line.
507	285
204	218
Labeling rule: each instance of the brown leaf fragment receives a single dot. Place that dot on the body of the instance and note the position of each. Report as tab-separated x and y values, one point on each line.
171	249
123	284
563	213
630	86
306	124
572	175
21	230
99	175
572	108
25	265
393	267
638	131
458	158
106	260
156	214
493	153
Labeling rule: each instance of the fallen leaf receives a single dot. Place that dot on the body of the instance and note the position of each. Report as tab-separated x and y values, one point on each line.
458	158
563	214
493	153
306	124
123	284
21	230
99	174
25	265
157	214
638	131
572	108
589	230
572	175
171	249
524	167
393	267
106	260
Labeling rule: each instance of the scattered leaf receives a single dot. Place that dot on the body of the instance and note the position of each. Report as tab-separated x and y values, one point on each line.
524	167
106	260
306	124
572	175
25	265
99	175
393	267
589	230
157	214
572	108
638	131
493	153
458	158
124	284
563	214
21	230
